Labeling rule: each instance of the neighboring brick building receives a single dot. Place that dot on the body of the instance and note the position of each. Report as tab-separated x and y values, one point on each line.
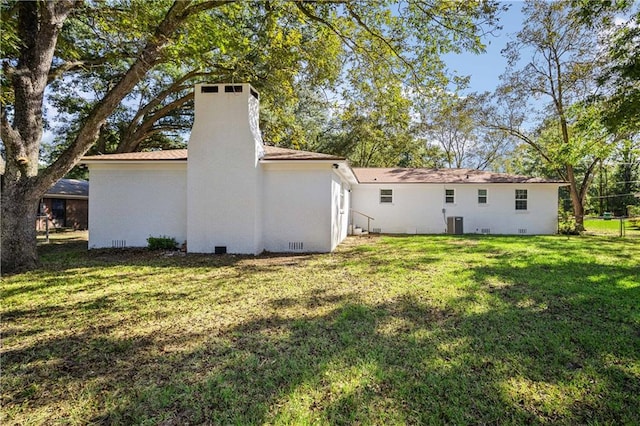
65	205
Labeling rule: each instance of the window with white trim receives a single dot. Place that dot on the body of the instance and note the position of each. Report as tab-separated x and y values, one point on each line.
482	196
386	196
521	199
449	196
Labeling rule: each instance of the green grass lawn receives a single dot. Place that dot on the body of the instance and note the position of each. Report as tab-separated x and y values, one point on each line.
389	330
611	227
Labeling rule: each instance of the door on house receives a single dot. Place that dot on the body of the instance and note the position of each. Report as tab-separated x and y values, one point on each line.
58	212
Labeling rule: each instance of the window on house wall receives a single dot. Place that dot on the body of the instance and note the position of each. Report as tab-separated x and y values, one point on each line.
482	196
449	196
521	199
386	196
58	211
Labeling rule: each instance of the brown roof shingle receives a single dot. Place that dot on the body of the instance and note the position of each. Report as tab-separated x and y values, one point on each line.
277	153
166	155
271	153
401	175
69	187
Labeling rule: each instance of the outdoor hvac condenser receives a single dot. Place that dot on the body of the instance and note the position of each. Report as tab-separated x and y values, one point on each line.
454	225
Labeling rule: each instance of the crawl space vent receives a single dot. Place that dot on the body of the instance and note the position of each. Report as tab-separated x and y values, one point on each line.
485	230
376	230
118	243
220	250
296	245
522	230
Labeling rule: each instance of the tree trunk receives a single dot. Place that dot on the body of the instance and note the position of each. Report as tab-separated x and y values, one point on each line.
23	185
576	200
18	229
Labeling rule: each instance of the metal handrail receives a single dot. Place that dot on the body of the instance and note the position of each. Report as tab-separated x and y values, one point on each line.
369	218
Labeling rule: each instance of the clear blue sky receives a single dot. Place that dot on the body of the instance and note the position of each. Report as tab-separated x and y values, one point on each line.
485	69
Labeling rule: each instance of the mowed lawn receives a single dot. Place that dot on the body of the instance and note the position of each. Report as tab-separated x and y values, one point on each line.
612	227
388	330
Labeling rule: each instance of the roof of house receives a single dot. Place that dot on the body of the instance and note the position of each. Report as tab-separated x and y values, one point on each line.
165	155
401	175
271	153
363	175
69	188
277	153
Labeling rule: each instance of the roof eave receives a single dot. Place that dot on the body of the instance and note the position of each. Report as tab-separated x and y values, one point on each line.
66	196
138	161
462	183
301	160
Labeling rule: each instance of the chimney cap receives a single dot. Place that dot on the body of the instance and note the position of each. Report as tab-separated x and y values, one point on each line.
228	88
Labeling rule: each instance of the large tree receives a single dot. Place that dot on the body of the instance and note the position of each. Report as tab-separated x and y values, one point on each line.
619	79
453	123
552	68
125	45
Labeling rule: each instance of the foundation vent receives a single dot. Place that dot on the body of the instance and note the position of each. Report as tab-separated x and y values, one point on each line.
522	230
296	245
376	230
118	243
220	250
485	230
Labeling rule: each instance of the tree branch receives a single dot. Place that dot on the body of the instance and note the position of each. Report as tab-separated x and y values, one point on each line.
130	144
57	72
89	132
352	44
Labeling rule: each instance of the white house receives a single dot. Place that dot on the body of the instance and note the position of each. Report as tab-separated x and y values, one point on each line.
432	201
233	194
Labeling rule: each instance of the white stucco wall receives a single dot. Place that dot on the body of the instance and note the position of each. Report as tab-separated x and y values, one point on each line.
418	208
130	202
224	178
297	207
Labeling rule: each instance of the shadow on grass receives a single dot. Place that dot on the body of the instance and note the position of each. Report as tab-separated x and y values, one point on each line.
404	361
552	341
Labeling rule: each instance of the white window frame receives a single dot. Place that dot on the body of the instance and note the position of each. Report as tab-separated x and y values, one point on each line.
452	196
485	196
386	196
522	200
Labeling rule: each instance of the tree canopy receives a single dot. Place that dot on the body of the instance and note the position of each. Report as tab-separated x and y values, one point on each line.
554	61
116	75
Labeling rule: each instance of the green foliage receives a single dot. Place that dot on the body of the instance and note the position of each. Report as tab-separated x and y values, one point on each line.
567	223
270	45
620	76
376	123
560	70
617	180
453	123
626	177
161	243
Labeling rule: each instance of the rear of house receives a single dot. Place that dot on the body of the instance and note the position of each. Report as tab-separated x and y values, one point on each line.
231	193
434	201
